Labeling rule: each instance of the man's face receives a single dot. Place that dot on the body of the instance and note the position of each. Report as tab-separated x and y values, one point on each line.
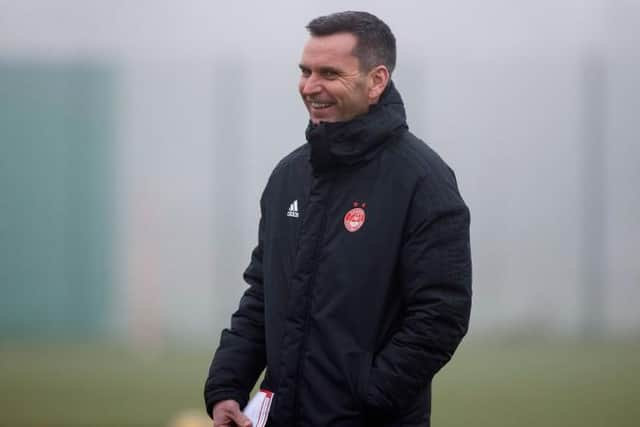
331	84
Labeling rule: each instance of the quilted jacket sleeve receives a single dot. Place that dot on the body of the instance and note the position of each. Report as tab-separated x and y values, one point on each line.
241	355
435	273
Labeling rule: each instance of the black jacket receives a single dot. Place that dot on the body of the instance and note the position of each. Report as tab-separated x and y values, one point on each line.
360	283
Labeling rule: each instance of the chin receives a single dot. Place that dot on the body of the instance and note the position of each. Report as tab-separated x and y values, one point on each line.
317	121
327	119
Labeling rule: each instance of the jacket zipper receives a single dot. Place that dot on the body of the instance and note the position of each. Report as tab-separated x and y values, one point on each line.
312	282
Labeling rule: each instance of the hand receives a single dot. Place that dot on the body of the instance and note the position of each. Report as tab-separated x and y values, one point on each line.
227	413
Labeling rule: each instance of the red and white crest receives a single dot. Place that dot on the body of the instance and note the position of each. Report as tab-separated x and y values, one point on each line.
354	219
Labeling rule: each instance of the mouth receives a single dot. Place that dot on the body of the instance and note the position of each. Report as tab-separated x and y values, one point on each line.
320	105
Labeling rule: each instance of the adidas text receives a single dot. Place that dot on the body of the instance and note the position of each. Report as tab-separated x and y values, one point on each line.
293	210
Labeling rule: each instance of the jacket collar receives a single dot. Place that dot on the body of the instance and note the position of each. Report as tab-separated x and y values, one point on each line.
357	140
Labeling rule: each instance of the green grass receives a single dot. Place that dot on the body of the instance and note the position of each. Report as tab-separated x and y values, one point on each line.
78	385
538	383
542	383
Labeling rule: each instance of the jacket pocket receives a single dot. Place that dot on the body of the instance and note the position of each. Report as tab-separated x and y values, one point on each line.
358	366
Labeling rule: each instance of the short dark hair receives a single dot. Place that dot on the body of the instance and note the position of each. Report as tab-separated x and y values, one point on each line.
376	43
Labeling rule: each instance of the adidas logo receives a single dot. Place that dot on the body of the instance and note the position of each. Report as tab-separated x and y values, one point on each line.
293	210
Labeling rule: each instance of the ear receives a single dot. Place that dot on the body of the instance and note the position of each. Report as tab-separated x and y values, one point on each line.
378	78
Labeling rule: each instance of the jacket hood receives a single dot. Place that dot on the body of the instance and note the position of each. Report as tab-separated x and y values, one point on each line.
355	141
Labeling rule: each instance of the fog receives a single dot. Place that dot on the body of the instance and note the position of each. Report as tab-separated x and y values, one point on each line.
533	104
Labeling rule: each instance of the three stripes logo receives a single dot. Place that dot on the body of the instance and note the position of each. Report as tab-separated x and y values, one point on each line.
293	210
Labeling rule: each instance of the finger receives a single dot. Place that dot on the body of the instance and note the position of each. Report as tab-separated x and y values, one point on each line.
223	420
241	419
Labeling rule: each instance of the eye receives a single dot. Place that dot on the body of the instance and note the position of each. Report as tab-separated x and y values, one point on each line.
305	72
329	74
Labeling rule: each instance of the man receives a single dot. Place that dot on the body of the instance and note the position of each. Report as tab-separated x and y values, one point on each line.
360	285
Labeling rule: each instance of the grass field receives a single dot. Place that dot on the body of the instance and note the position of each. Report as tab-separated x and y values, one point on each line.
533	383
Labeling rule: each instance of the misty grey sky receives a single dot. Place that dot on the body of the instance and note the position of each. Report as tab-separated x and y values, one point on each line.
206	104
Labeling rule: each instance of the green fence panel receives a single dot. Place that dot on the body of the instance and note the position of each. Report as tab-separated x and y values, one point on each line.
55	199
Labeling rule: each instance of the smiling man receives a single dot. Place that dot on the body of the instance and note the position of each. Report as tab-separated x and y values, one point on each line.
332	85
360	285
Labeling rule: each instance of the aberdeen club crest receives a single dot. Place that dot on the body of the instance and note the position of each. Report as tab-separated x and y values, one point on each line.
354	219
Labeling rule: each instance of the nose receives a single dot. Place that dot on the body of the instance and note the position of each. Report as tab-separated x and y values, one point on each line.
309	85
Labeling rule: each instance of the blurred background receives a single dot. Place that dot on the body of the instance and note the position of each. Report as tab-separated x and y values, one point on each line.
136	138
